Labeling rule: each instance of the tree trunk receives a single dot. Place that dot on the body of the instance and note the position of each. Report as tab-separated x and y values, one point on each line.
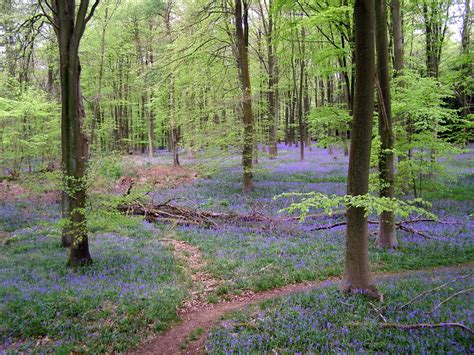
466	94
272	82
356	274
386	236
397	37
241	27
300	96
174	131
69	30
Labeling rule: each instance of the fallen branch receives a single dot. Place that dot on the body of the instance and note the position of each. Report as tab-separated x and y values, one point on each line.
451	297
165	212
418	220
426	325
417	297
334	214
421	234
379	312
399	225
416	325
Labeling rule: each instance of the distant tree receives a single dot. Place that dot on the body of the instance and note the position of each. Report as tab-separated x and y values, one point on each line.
397	37
357	275
69	24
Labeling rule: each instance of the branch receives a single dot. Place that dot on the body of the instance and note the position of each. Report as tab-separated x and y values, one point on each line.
451	297
417	297
45	13
421	234
91	12
426	325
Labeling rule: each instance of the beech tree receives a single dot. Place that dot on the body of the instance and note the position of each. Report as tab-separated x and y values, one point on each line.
356	273
241	12
69	24
386	236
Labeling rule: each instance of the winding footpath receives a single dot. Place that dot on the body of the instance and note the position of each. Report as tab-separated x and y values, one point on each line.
197	317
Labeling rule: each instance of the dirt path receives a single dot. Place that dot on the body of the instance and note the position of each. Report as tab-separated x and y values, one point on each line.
203	284
198	316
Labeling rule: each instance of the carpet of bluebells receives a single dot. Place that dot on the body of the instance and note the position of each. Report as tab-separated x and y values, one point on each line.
260	257
131	290
135	286
324	320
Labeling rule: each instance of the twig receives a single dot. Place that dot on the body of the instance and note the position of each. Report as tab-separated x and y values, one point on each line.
378	312
416	325
451	297
417	297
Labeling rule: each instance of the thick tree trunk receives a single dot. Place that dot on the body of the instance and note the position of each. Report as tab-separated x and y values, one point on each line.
356	274
386	236
241	26
69	30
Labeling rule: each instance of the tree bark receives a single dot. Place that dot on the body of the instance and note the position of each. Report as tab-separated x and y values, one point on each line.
466	94
356	274
242	39
300	95
386	237
272	82
69	30
397	37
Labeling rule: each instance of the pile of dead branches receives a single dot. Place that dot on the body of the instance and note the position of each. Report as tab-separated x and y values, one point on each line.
169	213
178	215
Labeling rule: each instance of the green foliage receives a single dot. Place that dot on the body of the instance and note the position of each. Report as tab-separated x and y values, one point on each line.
421	117
324	121
371	204
29	131
109	166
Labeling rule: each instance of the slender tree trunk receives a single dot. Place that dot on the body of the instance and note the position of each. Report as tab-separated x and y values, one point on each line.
357	274
397	36
272	82
242	33
386	236
174	131
466	94
300	96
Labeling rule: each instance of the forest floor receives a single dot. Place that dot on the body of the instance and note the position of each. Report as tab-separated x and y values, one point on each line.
206	329
146	277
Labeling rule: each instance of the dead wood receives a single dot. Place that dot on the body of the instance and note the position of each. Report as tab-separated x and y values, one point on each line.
166	212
